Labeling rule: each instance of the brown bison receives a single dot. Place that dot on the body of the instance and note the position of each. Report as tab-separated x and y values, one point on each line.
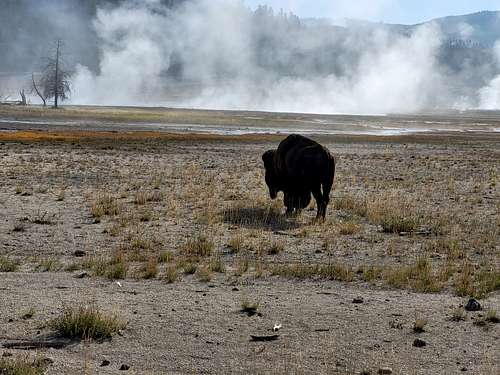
299	167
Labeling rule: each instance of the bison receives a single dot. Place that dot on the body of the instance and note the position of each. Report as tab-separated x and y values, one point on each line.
299	167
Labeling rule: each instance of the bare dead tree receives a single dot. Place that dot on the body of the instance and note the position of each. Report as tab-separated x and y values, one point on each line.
55	80
23	98
36	90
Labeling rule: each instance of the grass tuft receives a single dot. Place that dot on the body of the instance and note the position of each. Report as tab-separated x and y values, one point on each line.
8	265
458	315
335	271
171	274
86	321
22	366
200	246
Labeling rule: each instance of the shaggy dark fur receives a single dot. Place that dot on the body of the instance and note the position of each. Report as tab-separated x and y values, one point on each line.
299	167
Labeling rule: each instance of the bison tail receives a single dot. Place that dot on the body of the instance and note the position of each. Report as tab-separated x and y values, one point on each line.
327	182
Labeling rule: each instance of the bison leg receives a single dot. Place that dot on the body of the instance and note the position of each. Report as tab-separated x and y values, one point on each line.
320	202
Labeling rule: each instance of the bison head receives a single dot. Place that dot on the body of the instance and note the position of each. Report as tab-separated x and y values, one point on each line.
271	178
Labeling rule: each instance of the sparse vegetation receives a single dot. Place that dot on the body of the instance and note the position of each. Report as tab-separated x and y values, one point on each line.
418	276
22	366
8	265
311	271
242	265
492	316
458	315
349	227
189	268
117	268
150	269
212	211
249	306
49	265
200	246
171	274
257	215
104	204
236	243
165	257
204	273
217	264
276	247
86	321
419	324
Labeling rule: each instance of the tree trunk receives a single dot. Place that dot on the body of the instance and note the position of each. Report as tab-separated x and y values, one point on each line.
56	81
23	97
35	87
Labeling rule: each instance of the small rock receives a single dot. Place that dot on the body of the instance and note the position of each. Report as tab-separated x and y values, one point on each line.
385	371
463	369
358	300
105	363
79	253
124	367
473	305
419	343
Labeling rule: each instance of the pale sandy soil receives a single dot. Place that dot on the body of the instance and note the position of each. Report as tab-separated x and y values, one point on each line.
215	188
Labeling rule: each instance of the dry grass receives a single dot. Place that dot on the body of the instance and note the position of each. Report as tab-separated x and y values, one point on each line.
248	305
165	256
86	321
217	264
236	243
149	270
394	211
335	271
259	215
276	247
418	276
140	197
492	316
458	315
349	228
419	324
114	268
171	274
22	366
451	247
200	246
157	198
117	266
8	265
104	204
242	265
204	273
49	265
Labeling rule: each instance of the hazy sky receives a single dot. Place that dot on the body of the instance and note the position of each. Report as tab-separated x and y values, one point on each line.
391	11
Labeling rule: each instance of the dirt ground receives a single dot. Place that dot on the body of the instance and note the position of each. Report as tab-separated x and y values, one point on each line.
177	234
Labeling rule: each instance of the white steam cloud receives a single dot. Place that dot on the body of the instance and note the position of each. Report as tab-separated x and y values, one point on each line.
226	65
490	94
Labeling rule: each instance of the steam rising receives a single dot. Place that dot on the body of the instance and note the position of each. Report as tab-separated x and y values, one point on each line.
219	54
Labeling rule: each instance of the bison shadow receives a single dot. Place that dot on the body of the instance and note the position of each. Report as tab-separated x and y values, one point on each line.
259	218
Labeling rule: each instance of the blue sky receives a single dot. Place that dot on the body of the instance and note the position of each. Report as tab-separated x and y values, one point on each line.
390	11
